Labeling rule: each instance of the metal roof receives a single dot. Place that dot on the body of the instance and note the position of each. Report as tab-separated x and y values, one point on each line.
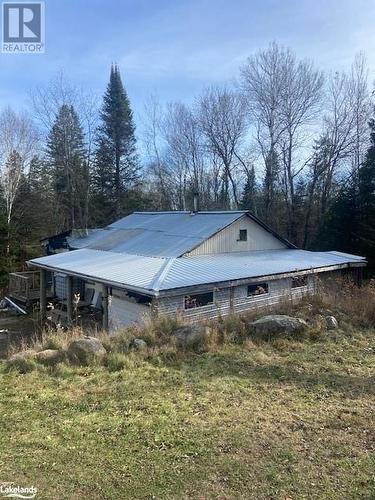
197	225
157	234
154	274
108	267
201	269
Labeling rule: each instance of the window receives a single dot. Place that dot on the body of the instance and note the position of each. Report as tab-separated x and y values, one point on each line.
198	300
299	281
243	235
138	297
257	289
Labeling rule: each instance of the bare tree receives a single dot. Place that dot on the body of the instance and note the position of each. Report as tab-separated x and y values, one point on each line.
18	143
262	86
185	152
283	96
361	108
300	101
154	145
222	119
344	138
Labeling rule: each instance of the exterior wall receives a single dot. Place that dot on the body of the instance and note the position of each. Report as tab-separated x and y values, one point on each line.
227	239
279	290
124	312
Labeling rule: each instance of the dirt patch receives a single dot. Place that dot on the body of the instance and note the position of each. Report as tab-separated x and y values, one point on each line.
20	328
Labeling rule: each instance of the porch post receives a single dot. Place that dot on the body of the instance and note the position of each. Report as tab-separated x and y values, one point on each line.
69	299
43	295
105	308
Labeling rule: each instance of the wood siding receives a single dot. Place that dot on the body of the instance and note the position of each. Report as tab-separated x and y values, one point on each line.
226	240
279	290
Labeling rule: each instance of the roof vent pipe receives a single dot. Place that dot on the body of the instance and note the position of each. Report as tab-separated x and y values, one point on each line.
196	202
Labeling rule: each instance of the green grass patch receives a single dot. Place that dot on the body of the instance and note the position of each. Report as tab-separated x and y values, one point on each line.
285	419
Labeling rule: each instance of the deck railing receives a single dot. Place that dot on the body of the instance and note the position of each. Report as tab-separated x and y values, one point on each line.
24	286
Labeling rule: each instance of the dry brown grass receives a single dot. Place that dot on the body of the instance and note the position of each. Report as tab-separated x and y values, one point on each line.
353	307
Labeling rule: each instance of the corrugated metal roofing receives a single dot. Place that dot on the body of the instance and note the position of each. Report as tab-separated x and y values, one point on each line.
156	274
123	269
197	270
197	225
157	234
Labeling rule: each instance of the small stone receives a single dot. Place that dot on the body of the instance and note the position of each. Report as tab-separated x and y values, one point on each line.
331	323
50	357
274	324
191	336
86	350
22	361
139	344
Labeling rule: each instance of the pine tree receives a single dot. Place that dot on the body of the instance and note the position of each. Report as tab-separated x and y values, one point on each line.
270	185
37	196
350	223
366	193
249	192
116	168
65	151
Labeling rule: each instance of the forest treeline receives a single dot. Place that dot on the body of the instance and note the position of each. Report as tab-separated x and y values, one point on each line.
294	145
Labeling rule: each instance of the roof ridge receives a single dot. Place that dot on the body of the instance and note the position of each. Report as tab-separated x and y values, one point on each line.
162	273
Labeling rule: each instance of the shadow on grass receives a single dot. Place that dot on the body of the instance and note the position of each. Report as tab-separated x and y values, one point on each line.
226	365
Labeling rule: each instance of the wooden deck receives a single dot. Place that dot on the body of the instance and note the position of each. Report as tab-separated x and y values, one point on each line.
24	287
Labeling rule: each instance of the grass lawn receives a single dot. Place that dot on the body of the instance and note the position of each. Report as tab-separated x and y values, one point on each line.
285	420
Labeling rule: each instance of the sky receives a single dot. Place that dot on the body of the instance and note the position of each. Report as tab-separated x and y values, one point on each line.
174	48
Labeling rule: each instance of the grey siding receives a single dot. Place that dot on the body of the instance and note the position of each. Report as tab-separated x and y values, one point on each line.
226	240
279	290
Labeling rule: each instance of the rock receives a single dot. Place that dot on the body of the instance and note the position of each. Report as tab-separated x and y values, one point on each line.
274	324
139	344
50	357
22	361
331	323
86	350
191	336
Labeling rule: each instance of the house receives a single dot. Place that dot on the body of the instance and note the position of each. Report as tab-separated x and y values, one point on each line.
197	264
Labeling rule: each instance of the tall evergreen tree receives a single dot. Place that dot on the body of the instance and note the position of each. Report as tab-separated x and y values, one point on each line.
366	194
350	223
249	192
116	167
36	195
65	152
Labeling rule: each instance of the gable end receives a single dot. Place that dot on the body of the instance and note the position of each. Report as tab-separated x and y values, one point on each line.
245	234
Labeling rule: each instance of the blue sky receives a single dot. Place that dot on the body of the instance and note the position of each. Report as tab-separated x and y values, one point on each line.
174	48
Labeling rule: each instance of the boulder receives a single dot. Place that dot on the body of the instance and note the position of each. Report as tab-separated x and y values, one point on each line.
331	323
22	361
274	324
86	350
191	336
138	344
50	357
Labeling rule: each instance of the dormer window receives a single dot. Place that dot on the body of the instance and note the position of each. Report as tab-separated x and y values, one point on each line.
243	235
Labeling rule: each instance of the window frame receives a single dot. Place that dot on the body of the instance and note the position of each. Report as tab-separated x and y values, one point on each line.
295	279
242	232
185	296
255	295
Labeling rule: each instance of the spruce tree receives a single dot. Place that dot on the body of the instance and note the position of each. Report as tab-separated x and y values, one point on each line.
65	152
349	225
366	194
249	192
116	168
